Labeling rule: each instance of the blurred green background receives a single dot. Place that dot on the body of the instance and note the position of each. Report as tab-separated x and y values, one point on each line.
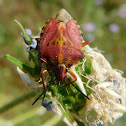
103	23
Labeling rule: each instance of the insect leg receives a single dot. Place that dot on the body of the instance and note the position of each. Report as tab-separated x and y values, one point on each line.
79	90
42	60
71	82
43	72
85	43
43	92
73	75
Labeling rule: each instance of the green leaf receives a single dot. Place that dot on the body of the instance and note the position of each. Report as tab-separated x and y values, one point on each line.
62	90
79	122
88	66
34	56
21	65
24	32
16	101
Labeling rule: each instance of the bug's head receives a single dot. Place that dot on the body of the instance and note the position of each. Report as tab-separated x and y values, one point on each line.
60	72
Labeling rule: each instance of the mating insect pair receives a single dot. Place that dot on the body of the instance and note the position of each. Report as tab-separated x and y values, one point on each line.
61	43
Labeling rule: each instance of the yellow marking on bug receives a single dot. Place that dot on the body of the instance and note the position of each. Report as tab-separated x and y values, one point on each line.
45	25
68	62
57	41
60	56
48	20
42	31
81	32
78	26
75	21
60	40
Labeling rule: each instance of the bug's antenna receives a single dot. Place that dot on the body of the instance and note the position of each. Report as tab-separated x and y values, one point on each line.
79	90
43	93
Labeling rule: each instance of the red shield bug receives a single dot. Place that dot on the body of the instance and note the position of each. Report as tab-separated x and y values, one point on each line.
61	45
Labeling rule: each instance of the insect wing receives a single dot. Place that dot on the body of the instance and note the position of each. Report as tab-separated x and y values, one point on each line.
49	31
74	34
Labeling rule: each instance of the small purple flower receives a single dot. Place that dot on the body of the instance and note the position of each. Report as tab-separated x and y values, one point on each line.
29	32
32	46
114	28
98	2
89	27
48	105
122	11
100	123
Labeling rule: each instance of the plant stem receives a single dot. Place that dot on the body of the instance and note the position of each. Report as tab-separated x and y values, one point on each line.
52	121
17	101
29	114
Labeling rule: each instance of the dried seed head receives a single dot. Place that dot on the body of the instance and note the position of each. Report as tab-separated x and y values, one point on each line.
107	101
